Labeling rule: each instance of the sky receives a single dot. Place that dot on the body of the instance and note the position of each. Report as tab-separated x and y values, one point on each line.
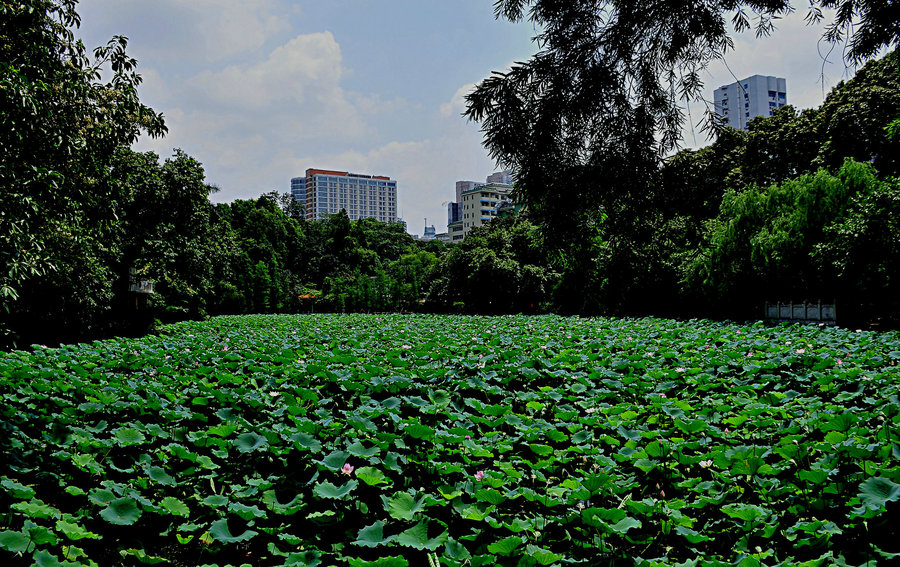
261	90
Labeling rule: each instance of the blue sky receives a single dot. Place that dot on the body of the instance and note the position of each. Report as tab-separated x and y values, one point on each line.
261	90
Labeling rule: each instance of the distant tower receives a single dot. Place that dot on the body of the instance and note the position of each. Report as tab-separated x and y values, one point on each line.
429	231
754	96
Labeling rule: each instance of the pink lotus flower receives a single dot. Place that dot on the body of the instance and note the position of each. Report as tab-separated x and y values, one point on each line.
839	361
347	469
468	436
663	395
479	475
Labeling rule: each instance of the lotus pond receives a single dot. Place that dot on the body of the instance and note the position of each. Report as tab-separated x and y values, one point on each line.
423	440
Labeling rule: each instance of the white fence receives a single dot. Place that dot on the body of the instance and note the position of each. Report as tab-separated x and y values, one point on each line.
818	311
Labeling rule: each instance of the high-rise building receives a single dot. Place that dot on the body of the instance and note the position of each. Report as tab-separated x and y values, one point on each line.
326	192
504	177
754	96
452	213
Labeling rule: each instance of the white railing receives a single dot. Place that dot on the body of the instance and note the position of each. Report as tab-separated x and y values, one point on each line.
824	312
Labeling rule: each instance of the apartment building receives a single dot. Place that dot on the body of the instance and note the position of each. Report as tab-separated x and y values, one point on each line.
326	192
754	96
479	206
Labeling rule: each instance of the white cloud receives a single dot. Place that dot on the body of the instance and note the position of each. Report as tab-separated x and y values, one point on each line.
457	102
307	68
229	27
176	31
236	119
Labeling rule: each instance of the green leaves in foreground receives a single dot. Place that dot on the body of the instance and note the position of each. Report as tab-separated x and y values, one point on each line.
878	491
219	531
489	441
329	490
122	512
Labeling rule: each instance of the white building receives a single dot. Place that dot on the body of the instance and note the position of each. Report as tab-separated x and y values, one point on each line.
754	96
479	206
326	192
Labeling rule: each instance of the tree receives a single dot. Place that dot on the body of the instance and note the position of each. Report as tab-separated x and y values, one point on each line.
165	228
797	240
62	127
592	112
499	268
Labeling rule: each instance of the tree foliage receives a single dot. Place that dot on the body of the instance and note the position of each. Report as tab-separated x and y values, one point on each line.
499	268
591	113
63	124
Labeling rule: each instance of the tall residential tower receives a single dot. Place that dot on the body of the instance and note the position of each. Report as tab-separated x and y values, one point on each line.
754	96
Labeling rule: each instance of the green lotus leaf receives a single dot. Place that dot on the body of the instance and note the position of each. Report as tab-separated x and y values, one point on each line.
309	558
101	496
75	531
582	436
391	561
128	436
456	551
246	512
540	450
143	557
877	491
419	431
745	512
359	450
14	542
417	538
159	474
815	476
329	490
371	476
335	460
175	506
306	441
402	506
215	500
690	535
505	546
490	496
44	558
542	556
222	430
693	426
17	490
219	531
840	422
36	509
122	512
249	442
372	536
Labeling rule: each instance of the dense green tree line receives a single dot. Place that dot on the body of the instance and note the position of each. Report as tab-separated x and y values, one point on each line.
247	256
801	206
81	215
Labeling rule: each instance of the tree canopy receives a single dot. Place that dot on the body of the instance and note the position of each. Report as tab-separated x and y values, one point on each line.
62	126
594	110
